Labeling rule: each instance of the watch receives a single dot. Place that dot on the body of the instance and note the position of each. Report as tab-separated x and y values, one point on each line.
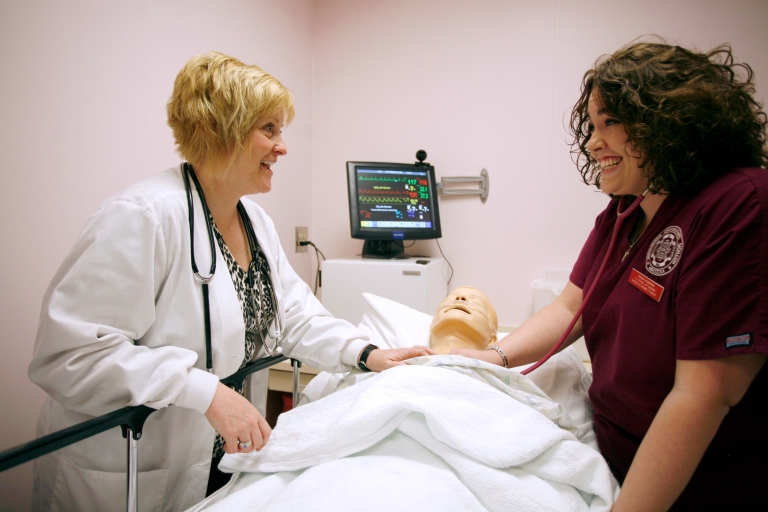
364	357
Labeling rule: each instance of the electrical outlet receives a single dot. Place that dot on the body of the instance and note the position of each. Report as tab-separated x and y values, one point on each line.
301	236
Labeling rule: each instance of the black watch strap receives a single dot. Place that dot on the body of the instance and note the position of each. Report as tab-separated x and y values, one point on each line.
364	357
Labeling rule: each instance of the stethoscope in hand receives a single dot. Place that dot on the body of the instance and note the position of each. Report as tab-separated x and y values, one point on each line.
620	216
187	172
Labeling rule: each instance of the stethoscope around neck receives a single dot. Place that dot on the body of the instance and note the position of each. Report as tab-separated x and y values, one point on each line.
187	172
620	216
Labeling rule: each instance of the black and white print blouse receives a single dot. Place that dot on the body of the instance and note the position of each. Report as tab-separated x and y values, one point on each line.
252	303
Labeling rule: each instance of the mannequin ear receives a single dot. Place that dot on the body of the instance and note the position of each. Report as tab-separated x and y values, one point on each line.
493	338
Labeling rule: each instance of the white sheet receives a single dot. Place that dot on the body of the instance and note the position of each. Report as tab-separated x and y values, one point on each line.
432	435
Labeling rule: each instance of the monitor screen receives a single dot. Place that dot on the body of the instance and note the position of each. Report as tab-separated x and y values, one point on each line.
391	202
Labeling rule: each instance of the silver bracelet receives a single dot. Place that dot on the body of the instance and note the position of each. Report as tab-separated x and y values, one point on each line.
503	357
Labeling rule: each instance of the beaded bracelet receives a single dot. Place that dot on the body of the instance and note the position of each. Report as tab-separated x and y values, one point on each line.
503	357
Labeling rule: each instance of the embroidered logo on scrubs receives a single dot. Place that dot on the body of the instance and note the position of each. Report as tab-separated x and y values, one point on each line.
665	251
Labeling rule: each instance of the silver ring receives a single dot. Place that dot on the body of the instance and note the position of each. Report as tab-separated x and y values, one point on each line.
244	446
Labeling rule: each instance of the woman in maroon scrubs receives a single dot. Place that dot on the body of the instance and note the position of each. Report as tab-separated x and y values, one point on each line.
677	327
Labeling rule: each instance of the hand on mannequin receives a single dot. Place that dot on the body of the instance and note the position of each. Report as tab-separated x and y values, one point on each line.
489	356
381	359
237	420
529	343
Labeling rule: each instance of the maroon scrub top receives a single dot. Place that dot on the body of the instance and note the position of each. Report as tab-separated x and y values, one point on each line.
694	287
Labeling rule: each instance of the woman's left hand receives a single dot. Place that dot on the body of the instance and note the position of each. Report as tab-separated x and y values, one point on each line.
383	358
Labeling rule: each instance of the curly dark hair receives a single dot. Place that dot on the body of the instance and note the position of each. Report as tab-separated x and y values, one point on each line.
690	115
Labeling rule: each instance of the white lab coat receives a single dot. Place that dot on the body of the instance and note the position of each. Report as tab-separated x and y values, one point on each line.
122	324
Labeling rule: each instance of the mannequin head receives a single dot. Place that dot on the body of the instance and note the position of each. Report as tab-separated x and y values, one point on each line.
465	319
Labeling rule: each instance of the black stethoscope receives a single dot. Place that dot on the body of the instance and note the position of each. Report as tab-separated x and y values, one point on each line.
188	172
620	216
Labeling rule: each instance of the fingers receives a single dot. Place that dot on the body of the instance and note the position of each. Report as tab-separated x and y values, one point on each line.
415	351
401	354
424	351
237	420
381	359
253	440
265	431
242	444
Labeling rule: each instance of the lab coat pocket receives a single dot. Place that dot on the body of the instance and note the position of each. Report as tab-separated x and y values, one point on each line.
79	489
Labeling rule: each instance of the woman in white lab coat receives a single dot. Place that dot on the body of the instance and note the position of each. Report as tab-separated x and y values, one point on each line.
122	322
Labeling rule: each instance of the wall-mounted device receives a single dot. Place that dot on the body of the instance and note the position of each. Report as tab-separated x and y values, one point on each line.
391	202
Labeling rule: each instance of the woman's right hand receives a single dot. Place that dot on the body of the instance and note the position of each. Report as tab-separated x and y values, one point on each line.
237	420
489	356
532	340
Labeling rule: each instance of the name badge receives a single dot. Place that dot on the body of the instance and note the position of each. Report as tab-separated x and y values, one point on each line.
643	283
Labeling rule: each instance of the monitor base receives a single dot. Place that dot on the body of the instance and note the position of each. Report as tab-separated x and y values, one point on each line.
384	249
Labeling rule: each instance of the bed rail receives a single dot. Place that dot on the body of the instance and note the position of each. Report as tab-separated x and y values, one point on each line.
131	419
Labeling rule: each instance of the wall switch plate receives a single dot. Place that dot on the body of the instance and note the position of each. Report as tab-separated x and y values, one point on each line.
301	236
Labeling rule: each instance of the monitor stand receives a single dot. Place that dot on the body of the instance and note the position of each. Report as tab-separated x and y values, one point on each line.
384	249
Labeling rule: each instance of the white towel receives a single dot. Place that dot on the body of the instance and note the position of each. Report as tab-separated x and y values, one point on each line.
422	437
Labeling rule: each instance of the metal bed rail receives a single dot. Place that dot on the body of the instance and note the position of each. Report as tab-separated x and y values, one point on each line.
131	419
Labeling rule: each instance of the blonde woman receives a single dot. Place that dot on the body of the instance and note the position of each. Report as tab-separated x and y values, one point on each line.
124	321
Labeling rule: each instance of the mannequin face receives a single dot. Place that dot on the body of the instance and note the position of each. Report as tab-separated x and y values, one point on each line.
465	319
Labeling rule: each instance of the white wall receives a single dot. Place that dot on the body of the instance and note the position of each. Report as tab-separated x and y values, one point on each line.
487	84
476	83
83	87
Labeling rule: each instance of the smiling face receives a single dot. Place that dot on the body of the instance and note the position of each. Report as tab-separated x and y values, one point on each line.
465	319
619	170
253	166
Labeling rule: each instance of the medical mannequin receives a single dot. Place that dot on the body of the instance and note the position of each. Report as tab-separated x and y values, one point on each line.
465	319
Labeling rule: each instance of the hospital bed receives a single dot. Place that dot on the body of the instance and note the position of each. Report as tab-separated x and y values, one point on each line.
131	420
433	435
359	447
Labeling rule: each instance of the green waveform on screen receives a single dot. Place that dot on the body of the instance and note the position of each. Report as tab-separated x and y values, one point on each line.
396	180
394	200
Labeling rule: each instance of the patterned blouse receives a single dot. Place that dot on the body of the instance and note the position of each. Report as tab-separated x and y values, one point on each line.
251	303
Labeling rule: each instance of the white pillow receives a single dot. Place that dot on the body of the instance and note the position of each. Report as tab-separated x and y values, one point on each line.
393	325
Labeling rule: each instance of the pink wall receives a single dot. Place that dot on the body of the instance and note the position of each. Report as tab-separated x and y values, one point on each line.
82	115
487	84
476	83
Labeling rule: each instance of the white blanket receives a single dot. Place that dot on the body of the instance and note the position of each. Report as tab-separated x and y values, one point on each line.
432	435
393	325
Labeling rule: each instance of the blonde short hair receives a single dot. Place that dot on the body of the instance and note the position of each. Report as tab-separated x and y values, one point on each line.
215	105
